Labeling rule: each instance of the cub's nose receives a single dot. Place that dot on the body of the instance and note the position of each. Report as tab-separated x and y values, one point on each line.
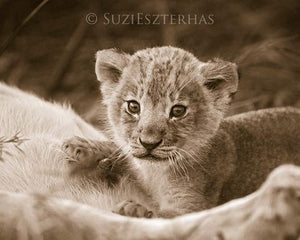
150	145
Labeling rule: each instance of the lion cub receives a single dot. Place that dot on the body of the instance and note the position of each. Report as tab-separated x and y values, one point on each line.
166	109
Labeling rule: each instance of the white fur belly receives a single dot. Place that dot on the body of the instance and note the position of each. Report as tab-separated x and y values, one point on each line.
35	166
39	167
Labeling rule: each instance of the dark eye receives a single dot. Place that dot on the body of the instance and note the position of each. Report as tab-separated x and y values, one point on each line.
178	111
133	107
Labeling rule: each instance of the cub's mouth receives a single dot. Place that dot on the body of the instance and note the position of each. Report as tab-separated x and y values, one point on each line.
150	157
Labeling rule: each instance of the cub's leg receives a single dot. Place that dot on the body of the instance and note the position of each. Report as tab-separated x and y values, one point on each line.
104	162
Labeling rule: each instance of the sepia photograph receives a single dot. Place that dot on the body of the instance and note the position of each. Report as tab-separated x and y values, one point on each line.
149	120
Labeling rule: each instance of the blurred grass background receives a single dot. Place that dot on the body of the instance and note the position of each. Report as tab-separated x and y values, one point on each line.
53	54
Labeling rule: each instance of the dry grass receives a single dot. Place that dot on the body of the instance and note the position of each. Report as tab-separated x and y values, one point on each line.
248	32
14	141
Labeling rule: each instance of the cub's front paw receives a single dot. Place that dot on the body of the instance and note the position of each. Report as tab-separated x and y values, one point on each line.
88	157
79	150
133	209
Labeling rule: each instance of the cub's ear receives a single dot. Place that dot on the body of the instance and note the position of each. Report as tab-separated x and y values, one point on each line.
221	79
109	67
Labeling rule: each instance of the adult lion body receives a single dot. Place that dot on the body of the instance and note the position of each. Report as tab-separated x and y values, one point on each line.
39	167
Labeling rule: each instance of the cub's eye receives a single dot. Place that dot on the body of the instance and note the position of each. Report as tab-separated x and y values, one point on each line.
133	107
178	111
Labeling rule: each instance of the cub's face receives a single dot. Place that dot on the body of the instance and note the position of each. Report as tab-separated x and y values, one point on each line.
163	103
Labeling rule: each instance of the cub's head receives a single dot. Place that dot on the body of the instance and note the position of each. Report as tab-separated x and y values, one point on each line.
163	103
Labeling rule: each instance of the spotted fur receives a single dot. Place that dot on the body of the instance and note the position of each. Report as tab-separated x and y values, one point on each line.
159	78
